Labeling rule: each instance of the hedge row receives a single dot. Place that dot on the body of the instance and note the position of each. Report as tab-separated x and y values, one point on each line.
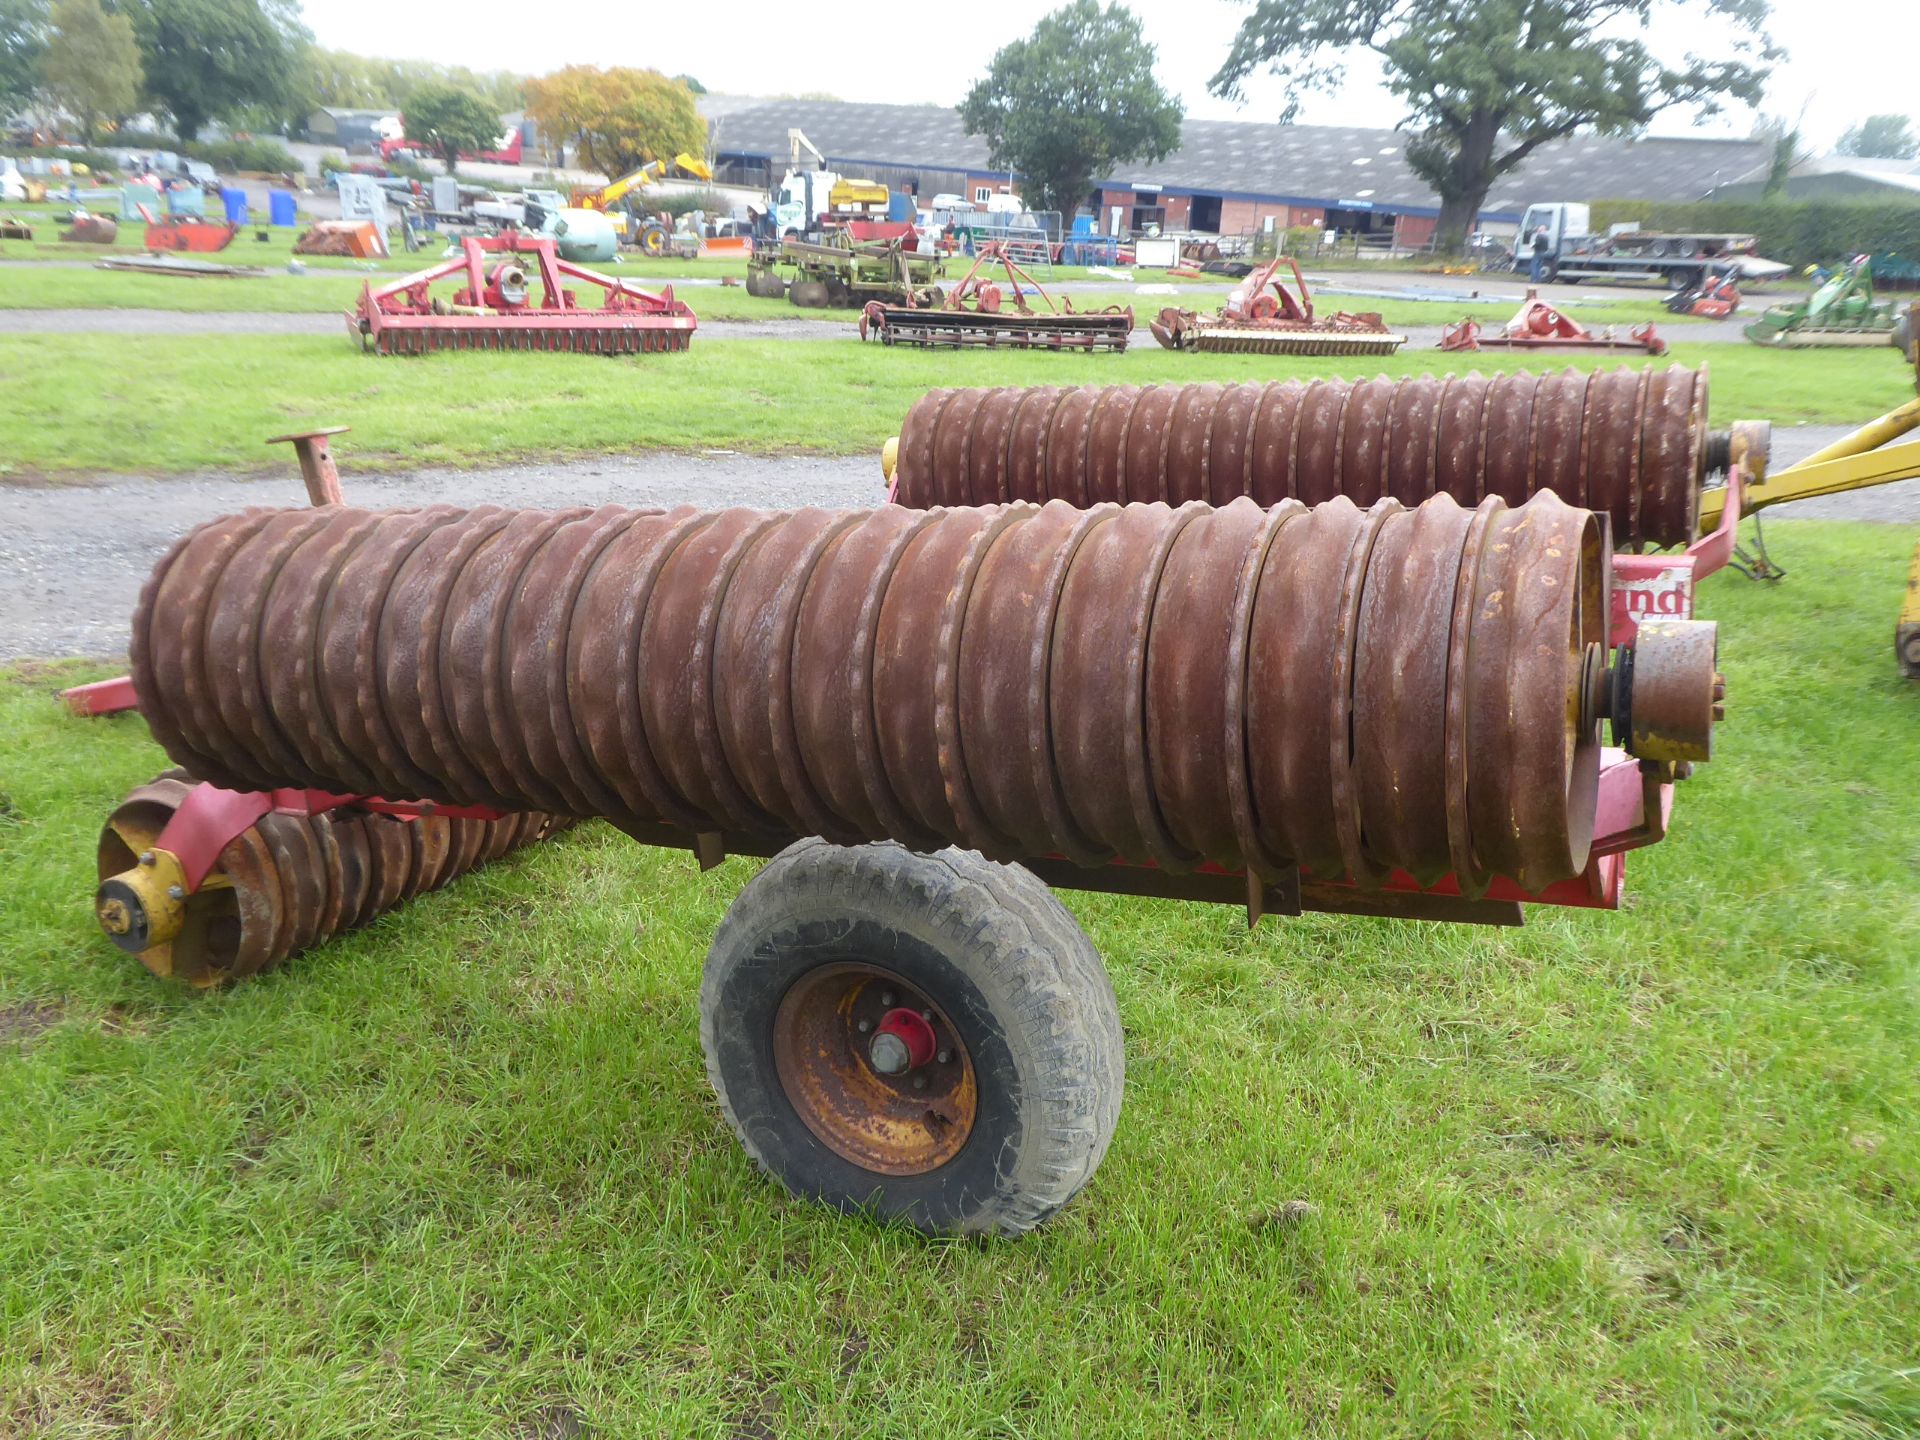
1807	232
226	156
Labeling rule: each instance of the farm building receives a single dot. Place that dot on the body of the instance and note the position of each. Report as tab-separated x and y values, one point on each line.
1837	177
1228	176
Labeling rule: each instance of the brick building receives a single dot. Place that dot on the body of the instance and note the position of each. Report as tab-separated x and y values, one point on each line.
1227	177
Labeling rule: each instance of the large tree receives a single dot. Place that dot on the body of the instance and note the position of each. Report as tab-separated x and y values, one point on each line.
92	64
1072	101
339	77
1885	137
207	59
448	120
23	40
1486	84
619	118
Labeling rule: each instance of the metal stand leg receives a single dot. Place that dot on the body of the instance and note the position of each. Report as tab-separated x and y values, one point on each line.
317	469
1755	563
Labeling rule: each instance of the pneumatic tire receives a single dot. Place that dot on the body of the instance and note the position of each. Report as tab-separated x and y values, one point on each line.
1012	1108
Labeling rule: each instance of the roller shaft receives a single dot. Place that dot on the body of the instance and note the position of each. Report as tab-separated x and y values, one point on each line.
1350	691
290	882
1629	444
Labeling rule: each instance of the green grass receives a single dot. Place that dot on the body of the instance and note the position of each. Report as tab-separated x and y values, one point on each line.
89	403
1651	1173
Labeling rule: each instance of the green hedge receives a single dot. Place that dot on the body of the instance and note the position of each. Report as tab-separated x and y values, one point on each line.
1808	232
226	156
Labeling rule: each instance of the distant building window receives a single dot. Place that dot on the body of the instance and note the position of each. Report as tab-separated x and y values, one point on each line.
982	194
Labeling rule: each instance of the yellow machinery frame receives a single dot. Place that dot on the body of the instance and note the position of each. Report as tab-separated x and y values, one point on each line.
1856	462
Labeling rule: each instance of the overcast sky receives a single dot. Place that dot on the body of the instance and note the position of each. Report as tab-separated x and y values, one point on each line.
1845	60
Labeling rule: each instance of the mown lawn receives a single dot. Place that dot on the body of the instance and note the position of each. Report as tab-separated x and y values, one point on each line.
89	403
1652	1173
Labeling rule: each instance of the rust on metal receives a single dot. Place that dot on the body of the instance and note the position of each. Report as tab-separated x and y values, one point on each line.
1632	444
1677	694
1353	692
899	1113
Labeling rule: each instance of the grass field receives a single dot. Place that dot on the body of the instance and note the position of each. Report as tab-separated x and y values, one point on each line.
1651	1173
89	403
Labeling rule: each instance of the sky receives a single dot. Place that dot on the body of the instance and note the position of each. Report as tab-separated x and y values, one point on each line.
1844	61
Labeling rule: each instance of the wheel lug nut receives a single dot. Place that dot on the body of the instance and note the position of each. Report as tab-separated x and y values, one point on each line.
864	1026
927	1015
919	1082
176	893
944	1056
886	997
888	1054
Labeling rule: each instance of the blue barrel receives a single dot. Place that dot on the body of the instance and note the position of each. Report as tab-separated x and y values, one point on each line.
900	205
282	208
234	199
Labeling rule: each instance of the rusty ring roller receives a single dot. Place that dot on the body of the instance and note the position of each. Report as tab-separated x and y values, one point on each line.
1631	444
290	882
1352	691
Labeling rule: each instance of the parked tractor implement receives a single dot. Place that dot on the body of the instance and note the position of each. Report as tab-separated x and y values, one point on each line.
193	233
497	306
845	275
85	228
1536	325
1263	316
1385	712
1841	312
979	312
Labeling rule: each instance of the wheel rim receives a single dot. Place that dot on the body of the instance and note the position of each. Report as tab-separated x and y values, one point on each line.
834	1072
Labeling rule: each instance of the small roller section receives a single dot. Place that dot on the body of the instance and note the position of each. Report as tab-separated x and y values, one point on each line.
283	885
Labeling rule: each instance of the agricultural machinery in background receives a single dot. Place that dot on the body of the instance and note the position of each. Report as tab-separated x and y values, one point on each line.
1536	325
1842	311
998	314
847	274
496	306
1263	316
83	227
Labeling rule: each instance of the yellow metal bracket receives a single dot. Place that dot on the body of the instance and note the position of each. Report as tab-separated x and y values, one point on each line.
1855	462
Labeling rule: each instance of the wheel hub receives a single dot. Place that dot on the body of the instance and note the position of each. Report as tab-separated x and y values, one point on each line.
874	1069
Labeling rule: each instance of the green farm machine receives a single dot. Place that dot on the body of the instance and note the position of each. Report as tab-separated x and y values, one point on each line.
844	275
1841	312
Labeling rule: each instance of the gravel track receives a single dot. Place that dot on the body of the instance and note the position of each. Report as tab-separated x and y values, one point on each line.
74	556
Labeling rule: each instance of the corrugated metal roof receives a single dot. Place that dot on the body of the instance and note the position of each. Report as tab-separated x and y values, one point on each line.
1303	163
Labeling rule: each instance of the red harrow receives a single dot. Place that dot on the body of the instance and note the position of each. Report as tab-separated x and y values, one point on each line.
1536	325
496	309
